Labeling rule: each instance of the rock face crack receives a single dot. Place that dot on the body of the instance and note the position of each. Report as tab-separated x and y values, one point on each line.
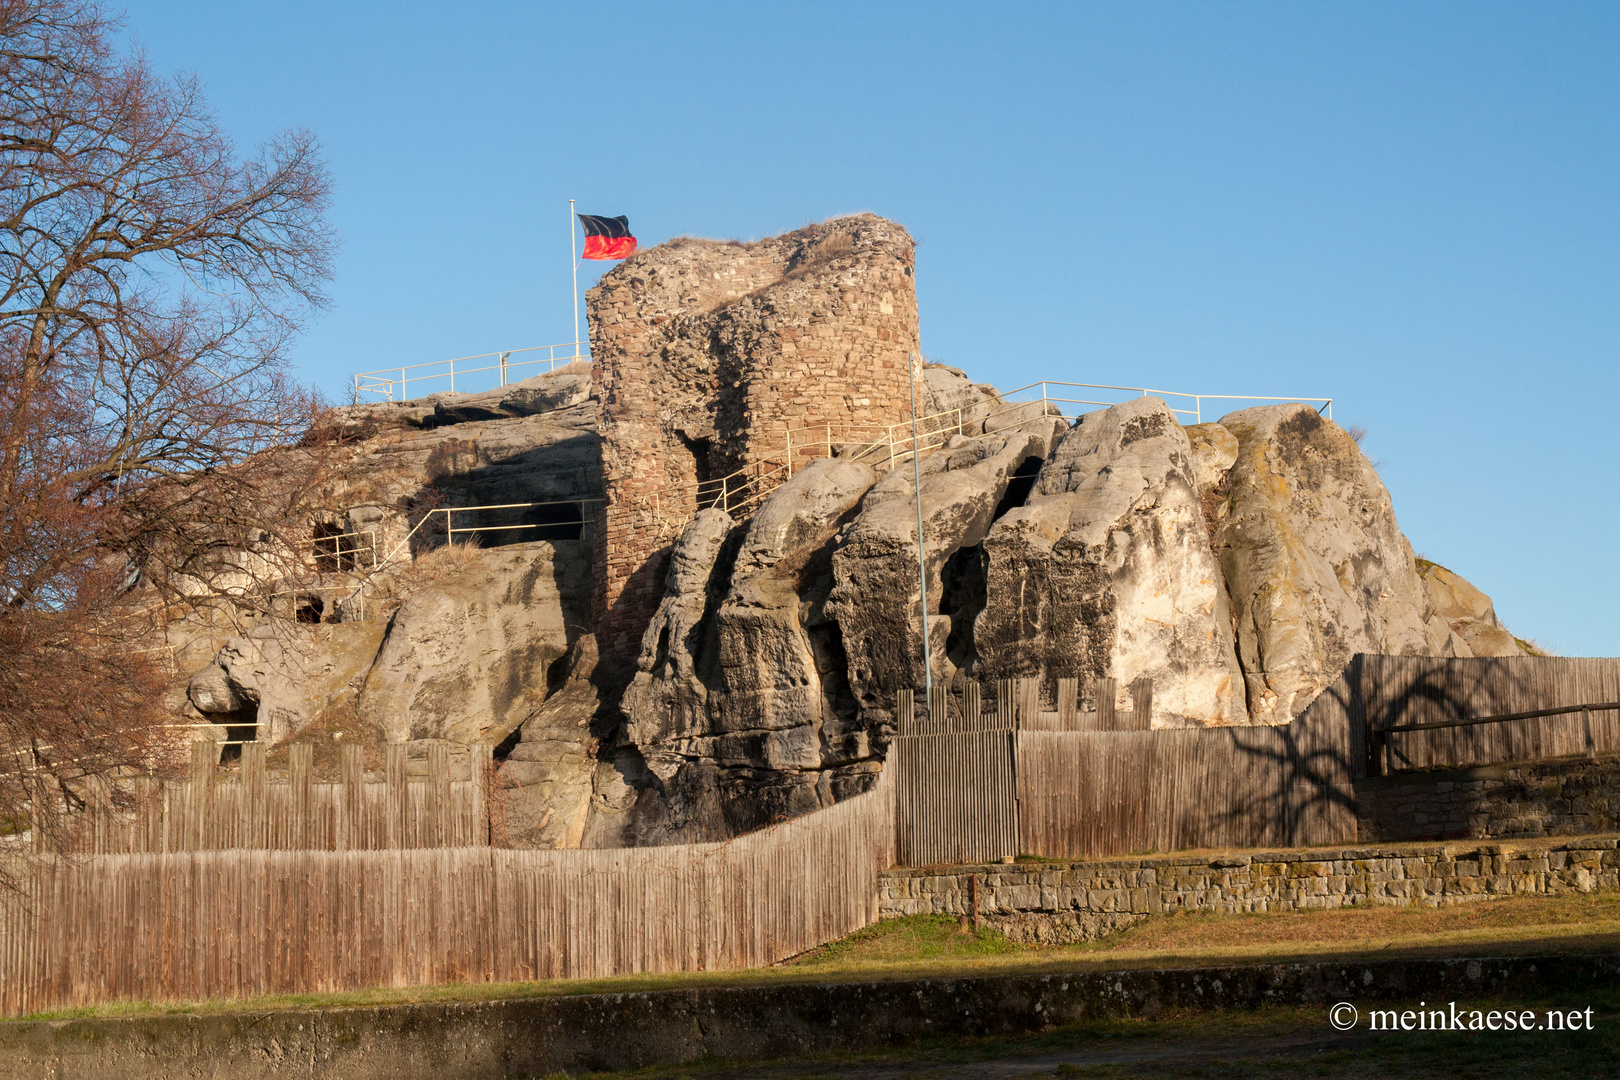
1107	572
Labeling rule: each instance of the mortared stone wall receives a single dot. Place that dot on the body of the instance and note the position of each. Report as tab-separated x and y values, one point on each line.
707	354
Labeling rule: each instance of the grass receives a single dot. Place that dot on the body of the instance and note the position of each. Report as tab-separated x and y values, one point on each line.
936	946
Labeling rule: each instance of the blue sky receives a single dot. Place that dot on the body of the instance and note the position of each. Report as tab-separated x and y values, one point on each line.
1412	209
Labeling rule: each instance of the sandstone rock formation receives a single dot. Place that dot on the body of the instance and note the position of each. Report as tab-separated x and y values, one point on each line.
467	659
740	707
283	679
719	646
1315	566
1468	615
1106	572
550	778
876	599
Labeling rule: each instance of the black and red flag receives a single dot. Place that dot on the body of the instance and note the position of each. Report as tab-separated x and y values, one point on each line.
607	237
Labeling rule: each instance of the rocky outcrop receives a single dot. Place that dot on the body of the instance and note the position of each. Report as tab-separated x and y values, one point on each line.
739	707
668	698
1315	566
467	659
952	401
1468	616
284	678
707	671
1106	572
876	599
552	391
548	784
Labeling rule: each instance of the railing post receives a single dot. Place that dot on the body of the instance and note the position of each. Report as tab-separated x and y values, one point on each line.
401	386
504	356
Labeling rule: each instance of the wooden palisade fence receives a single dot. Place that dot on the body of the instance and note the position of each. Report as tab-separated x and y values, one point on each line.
243	887
979	785
203	813
198	924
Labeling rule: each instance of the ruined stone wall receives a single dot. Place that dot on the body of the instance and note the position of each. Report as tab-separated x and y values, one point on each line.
706	354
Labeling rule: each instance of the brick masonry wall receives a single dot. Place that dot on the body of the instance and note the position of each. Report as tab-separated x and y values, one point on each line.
707	352
1564	798
1057	902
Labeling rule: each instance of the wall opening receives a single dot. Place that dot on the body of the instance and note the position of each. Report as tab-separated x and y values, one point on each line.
520	524
334	551
308	609
709	489
963	584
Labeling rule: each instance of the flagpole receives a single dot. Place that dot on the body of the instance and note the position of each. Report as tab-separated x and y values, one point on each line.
573	262
922	565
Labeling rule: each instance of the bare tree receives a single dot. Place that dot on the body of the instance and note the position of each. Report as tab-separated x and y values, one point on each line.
150	282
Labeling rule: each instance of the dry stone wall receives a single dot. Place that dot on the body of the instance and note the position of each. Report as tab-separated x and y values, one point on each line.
1494	802
707	353
1058	902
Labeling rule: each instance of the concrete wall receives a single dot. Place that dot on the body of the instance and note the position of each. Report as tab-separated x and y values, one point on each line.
706	352
1566	798
1079	901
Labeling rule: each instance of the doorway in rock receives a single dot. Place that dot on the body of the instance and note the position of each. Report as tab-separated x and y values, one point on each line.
240	726
499	527
963	579
1019	485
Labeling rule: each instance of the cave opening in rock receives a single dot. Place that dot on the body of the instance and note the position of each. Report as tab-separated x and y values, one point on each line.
308	609
552	521
963	584
1019	485
504	748
241	726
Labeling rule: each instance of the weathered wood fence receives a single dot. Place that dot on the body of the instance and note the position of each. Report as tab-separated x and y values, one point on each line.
1399	690
1054	784
1073	784
198	924
204	813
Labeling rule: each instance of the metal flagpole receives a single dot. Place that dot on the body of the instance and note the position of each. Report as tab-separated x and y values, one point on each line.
573	262
922	565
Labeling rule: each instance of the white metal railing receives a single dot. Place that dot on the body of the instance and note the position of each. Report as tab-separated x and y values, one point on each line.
450	527
1177	402
387	382
888	445
330	553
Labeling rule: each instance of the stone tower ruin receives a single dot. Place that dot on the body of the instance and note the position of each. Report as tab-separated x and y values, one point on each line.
719	366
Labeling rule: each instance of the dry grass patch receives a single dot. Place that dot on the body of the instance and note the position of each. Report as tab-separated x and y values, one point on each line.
1371	926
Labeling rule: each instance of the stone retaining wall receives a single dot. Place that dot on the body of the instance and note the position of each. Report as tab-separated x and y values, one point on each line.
1053	902
542	1036
1564	798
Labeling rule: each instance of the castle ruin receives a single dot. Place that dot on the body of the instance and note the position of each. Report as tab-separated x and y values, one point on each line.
708	357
